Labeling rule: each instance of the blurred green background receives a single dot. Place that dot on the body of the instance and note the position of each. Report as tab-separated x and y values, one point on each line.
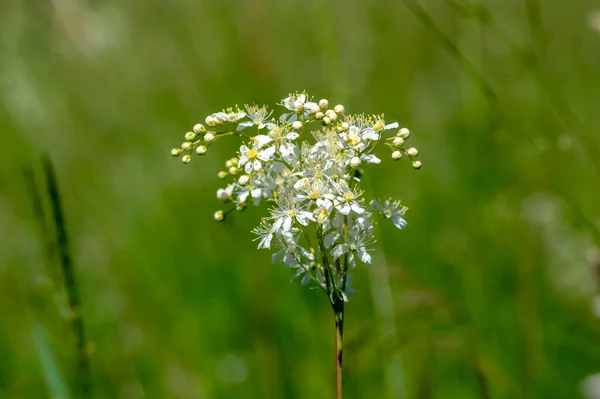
487	293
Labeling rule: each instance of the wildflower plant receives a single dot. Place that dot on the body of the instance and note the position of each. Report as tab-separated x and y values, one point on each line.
306	164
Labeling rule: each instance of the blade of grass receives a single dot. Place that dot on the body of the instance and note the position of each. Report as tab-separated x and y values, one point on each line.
467	66
69	277
52	374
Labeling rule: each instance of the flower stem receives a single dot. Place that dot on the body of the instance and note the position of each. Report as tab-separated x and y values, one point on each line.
338	309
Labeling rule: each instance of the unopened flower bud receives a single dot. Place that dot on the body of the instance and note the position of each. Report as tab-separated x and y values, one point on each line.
219	216
339	109
297	125
412	152
244	179
345	126
240	207
398	141
298	106
319	115
176	152
208	137
186	145
355	162
323	104
416	164
396	155
313	108
326	120
210	121
404	133
199	128
186	158
201	150
229	163
233	170
222	174
189	136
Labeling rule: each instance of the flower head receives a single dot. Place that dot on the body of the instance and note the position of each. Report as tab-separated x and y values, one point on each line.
320	225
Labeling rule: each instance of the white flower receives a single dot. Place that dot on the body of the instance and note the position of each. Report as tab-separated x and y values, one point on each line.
345	200
287	212
250	191
295	102
251	158
355	243
265	232
322	213
257	116
392	210
369	134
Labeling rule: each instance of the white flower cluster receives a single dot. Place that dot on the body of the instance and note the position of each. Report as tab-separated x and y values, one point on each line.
307	163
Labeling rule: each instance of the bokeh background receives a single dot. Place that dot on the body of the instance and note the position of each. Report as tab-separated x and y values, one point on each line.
489	293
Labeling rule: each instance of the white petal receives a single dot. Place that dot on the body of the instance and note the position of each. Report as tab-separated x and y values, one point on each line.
276	256
370	134
344	208
249	167
256	192
370	158
377	205
306	279
339	251
398	221
262	139
265	241
266	154
304	217
330	238
286	149
391	126
357	208
306	253
256	165
287	223
364	256
244	125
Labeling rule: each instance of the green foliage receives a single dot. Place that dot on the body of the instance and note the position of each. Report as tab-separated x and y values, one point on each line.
487	293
